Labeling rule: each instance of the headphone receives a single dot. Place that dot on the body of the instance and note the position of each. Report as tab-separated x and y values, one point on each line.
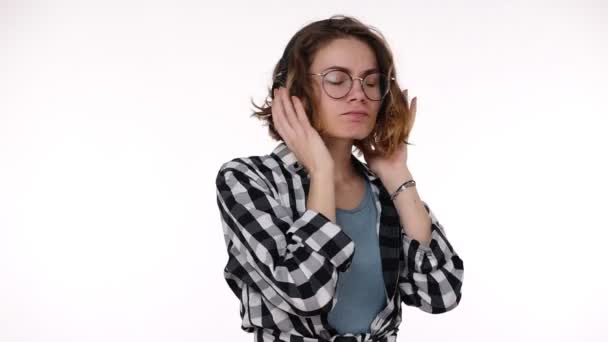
280	78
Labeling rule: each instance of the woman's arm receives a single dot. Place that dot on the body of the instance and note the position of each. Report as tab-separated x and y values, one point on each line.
292	261
431	276
431	271
414	218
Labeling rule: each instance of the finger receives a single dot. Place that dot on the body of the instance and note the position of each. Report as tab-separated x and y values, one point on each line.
281	108
301	112
404	92
414	105
413	112
289	111
278	119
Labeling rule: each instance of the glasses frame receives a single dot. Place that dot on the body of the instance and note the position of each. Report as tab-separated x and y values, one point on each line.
352	82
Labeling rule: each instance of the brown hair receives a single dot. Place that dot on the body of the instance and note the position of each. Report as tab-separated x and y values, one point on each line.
393	117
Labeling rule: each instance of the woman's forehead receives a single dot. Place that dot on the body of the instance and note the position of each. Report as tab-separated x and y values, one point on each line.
349	54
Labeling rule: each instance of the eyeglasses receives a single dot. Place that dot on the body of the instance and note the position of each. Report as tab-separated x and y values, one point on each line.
338	83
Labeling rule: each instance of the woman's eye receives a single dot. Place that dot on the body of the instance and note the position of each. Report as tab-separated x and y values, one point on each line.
333	81
337	77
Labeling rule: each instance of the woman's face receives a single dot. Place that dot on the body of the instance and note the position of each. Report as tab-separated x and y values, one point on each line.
356	57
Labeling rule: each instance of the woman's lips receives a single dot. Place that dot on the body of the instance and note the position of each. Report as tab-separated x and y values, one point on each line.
355	116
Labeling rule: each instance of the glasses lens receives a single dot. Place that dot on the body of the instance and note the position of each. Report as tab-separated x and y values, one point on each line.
375	86
337	83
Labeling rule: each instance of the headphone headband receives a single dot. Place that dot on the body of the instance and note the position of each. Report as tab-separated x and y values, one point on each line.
280	78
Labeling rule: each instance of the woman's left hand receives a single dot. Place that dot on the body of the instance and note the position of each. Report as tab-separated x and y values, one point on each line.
384	165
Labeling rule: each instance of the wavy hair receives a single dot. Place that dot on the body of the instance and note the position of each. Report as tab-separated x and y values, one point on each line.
393	117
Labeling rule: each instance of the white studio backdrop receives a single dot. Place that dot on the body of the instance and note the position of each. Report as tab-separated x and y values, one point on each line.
116	115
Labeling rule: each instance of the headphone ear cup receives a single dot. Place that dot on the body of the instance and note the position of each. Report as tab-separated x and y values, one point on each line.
280	79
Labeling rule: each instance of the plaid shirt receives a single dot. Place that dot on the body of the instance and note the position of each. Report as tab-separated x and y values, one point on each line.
284	260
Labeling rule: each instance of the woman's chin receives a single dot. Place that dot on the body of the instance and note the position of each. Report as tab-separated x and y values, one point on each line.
350	134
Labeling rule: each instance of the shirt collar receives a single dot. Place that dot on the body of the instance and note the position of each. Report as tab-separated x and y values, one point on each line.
289	160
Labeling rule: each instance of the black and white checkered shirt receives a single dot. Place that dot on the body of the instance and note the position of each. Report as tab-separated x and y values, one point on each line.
284	260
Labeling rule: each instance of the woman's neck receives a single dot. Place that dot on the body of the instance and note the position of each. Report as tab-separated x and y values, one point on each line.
341	152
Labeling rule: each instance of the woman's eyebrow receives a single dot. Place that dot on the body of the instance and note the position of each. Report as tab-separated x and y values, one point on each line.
337	67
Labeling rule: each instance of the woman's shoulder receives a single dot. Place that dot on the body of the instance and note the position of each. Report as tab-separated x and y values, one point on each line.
266	167
279	157
244	163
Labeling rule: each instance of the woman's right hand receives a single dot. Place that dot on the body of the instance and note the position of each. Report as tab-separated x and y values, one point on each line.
291	122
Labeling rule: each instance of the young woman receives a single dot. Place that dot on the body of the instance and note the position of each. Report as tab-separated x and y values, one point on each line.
321	246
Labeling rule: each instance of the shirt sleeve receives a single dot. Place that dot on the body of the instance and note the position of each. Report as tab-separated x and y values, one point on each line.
431	275
292	261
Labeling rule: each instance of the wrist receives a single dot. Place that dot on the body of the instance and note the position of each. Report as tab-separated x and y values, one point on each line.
325	173
395	178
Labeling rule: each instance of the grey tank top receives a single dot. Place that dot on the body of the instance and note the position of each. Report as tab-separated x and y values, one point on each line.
360	290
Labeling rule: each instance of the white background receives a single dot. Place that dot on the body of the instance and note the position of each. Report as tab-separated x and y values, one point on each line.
116	115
